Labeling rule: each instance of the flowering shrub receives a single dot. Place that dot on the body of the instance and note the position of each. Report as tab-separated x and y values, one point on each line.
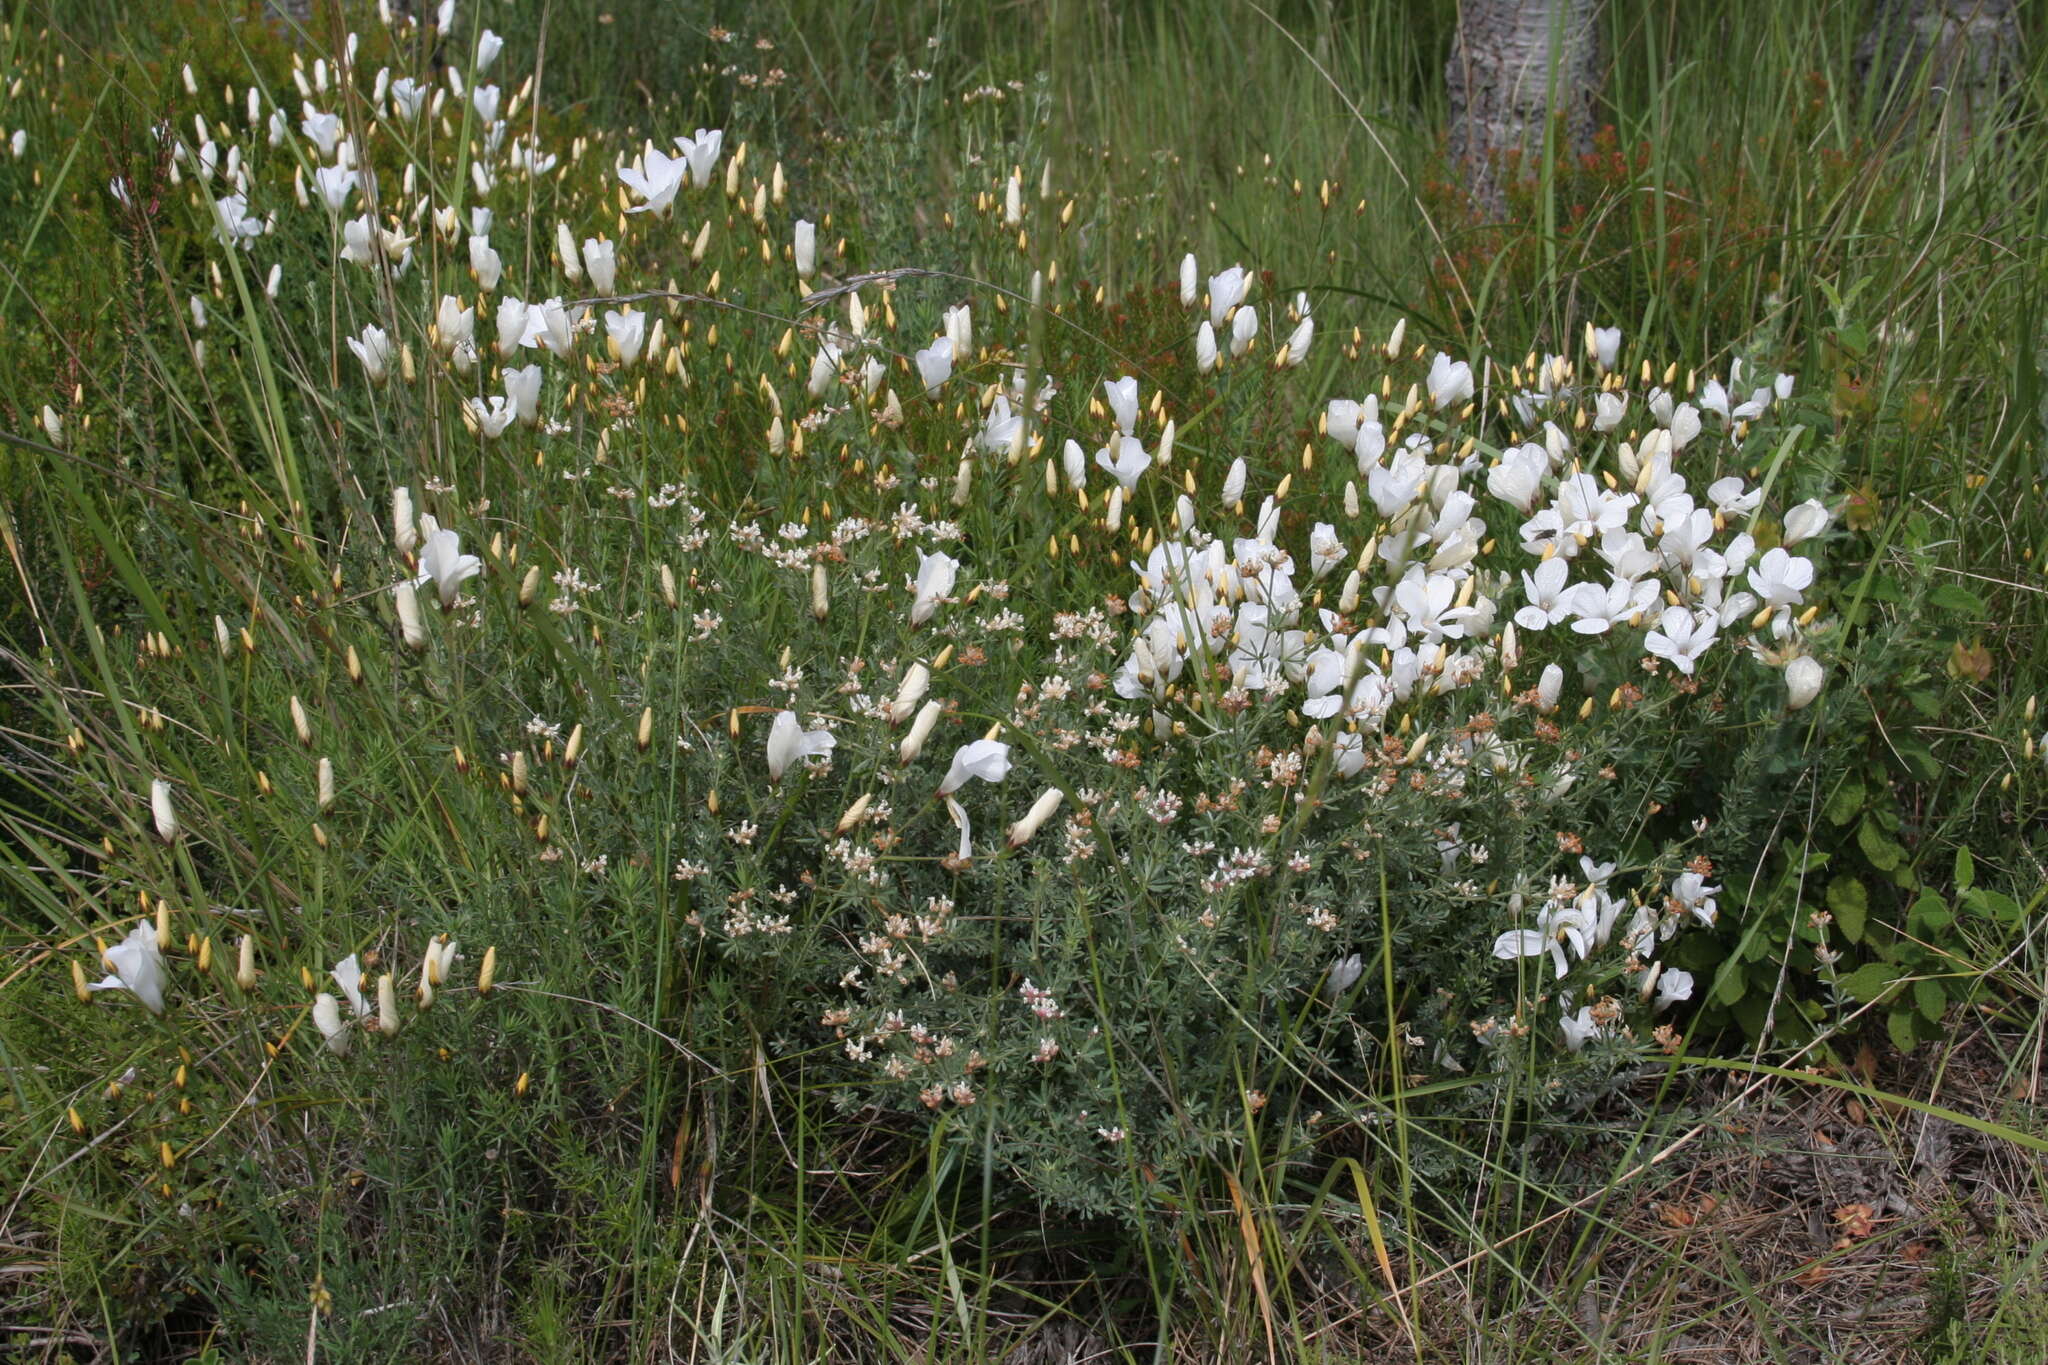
1132	738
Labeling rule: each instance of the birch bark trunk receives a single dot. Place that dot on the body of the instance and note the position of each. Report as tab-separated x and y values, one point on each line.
1514	64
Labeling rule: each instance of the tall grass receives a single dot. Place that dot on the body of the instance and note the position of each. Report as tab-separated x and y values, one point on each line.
644	1168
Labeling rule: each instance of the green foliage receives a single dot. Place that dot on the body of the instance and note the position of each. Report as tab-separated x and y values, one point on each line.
751	1068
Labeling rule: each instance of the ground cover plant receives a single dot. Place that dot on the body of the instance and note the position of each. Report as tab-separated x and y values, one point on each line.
858	705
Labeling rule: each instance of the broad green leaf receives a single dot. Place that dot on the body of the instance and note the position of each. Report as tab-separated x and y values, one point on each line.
1883	851
1966	870
1868	982
1850	905
1843	806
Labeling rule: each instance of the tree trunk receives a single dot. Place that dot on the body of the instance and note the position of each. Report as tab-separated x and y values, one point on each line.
1949	62
1514	65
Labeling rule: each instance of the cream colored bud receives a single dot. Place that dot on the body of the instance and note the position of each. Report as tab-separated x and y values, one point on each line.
519	772
387	1006
645	735
487	975
821	592
668	587
920	731
529	586
572	752
1041	810
245	963
411	629
855	813
166	815
327	1018
916	681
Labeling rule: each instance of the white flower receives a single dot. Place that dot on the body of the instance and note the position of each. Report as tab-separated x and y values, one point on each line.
1450	381
987	759
1190	280
407	95
789	742
1803	680
701	152
627	332
1682	637
1123	402
548	325
1805	521
1129	462
335	184
1343	975
1002	433
1325	550
1673	986
936	574
324	130
232	222
522	388
1606	346
485	100
488	46
137	966
1608	410
935	365
486	262
1244	325
1579	1028
373	348
493	415
1550	598
442	562
805	248
1780	578
514	321
1548	686
1730	498
1226	291
655	181
1558	928
958	324
453	324
1692	893
1205	347
348	974
601	263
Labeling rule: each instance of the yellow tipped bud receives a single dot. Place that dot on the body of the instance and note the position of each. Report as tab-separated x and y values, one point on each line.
573	750
85	996
245	963
645	735
487	975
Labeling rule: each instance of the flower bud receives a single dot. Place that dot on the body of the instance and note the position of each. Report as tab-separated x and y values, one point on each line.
327	1018
821	592
1041	810
487	975
1548	687
645	735
387	1006
1803	679
855	813
326	783
160	807
915	682
411	629
245	963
